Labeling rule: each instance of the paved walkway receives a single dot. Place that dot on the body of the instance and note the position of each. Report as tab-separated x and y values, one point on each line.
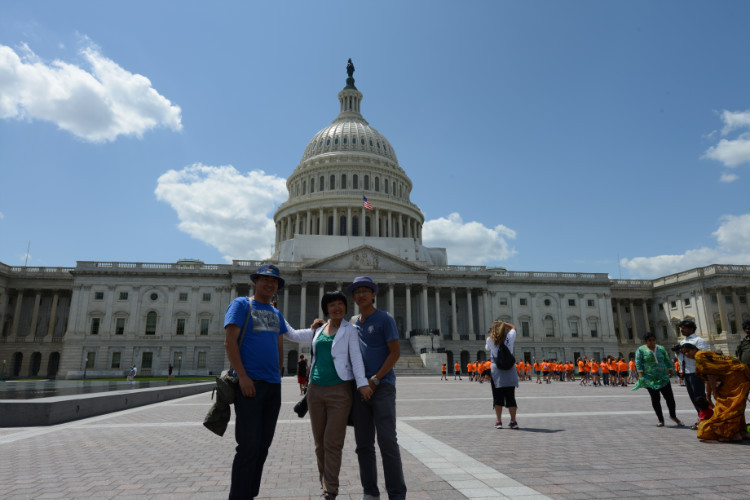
574	442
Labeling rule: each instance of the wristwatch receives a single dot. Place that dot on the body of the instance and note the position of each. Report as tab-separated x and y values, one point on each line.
375	380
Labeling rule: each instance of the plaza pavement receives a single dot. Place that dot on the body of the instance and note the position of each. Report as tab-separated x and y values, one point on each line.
574	442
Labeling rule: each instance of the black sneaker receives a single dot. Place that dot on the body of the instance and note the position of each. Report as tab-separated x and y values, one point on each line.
498	425
514	425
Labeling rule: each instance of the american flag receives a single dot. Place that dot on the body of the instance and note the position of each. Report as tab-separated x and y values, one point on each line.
366	203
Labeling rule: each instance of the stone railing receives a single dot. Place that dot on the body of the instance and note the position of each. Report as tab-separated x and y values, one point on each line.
701	272
36	271
149	266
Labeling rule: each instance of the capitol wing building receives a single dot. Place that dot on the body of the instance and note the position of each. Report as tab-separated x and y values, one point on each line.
348	214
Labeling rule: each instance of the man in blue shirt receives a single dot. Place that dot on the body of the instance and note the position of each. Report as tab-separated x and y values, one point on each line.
256	362
378	342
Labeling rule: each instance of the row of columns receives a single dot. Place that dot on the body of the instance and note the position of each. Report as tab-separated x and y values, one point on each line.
423	322
315	222
722	310
34	315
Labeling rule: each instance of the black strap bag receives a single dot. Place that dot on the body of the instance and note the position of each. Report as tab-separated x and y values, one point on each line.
505	359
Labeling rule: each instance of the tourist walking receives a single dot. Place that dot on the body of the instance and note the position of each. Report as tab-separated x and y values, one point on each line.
654	371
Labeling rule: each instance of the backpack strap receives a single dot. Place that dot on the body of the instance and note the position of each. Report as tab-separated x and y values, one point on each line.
247	320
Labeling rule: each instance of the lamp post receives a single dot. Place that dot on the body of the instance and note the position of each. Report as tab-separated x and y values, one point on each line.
85	367
179	365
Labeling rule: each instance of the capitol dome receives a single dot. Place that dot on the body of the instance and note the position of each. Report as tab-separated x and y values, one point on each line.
349	134
349	190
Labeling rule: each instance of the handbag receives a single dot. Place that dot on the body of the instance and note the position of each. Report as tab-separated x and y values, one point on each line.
301	407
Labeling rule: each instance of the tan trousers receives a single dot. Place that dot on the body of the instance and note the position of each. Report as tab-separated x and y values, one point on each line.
329	408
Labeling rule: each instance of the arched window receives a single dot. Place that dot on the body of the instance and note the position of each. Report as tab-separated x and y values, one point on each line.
367	226
367	182
355	182
377	184
304	187
385	185
151	323
355	226
322	183
312	185
343	181
342	225
330	225
332	184
394	188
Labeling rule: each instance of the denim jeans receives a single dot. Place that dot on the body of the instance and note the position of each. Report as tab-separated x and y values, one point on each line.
254	428
695	387
378	415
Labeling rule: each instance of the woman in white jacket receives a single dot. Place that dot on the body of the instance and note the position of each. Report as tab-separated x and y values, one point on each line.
336	361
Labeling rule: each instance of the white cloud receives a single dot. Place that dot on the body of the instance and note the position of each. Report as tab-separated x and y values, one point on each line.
470	242
97	105
732	152
224	208
734	120
726	177
733	247
1	215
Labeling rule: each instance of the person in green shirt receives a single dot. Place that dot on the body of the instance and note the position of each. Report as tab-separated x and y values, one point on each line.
654	369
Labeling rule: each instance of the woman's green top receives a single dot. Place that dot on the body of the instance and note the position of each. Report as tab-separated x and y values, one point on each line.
654	365
324	372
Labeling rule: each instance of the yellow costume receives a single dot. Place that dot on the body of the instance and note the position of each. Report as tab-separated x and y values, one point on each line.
731	395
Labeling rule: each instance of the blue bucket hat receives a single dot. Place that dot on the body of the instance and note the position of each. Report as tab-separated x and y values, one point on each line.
361	281
268	270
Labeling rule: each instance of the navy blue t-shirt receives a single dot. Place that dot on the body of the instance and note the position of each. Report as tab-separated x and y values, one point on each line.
375	332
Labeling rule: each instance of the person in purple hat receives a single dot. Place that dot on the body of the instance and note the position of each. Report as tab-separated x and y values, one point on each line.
256	363
378	343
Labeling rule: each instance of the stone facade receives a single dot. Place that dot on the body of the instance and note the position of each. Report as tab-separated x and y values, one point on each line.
101	317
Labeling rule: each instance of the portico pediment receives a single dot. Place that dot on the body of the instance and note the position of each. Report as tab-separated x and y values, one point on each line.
365	258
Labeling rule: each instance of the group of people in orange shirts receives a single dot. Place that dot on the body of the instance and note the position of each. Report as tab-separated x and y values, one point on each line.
477	372
611	371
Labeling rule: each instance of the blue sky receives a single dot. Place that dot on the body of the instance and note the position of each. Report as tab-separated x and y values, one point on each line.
539	135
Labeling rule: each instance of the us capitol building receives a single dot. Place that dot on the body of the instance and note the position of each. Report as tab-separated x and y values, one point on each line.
99	318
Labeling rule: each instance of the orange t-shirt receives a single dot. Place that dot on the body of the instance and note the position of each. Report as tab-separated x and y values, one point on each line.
488	365
622	366
631	365
605	367
456	367
545	367
444	368
613	366
580	365
528	367
594	367
677	366
537	366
